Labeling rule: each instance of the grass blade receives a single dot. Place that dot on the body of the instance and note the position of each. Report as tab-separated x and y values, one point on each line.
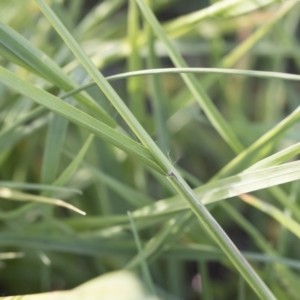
143	261
200	95
54	142
37	187
78	117
18	50
72	167
274	212
14	195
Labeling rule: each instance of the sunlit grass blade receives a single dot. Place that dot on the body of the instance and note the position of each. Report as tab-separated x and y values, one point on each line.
9	194
274	212
243	48
283	198
183	24
11	255
229	187
101	287
277	158
251	73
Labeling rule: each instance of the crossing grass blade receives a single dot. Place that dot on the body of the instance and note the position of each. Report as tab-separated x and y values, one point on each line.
245	158
78	117
228	187
191	82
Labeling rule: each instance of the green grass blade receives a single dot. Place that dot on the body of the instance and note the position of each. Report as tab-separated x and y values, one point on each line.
73	166
162	240
229	187
67	244
283	198
103	11
185	23
156	93
250	73
9	194
36	187
277	158
200	95
18	50
245	158
52	153
241	50
78	117
274	212
205	281
111	94
135	86
143	261
283	274
133	196
6	131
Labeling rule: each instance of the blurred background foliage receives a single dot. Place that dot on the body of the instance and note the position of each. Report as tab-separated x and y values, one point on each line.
56	249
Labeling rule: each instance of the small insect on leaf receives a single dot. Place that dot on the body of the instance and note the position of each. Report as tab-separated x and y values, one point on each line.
171	174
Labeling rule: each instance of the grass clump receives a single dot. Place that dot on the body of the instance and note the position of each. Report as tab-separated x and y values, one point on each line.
102	114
